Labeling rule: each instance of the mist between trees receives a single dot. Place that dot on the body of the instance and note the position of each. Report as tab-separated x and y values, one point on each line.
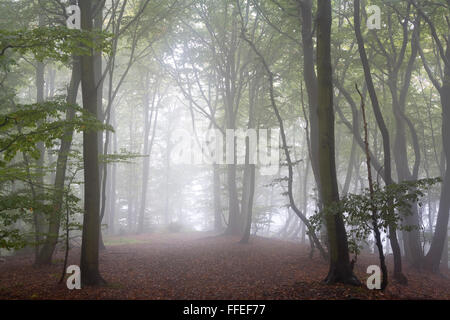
326	123
209	148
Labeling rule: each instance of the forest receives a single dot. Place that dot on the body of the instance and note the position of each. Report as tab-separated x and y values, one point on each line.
224	150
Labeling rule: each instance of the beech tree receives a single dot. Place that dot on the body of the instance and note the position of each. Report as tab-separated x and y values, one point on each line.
340	270
89	264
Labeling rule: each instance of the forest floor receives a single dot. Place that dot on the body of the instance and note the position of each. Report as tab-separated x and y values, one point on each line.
199	265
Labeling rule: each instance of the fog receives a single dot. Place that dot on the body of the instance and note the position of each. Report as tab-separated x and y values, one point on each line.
263	138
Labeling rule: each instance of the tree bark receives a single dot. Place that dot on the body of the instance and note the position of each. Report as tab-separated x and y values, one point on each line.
434	255
249	171
340	269
376	230
218	226
112	193
310	79
89	265
148	144
46	253
285	149
39	216
398	274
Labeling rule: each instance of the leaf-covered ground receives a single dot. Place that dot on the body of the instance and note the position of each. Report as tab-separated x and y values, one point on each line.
204	266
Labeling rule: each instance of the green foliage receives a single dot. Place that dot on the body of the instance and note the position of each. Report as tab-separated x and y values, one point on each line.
12	209
58	43
23	126
22	129
19	133
123	157
392	204
18	207
11	239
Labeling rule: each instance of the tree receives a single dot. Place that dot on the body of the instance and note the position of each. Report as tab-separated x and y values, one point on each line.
373	208
46	253
340	269
399	74
150	116
310	79
285	146
398	275
89	265
434	255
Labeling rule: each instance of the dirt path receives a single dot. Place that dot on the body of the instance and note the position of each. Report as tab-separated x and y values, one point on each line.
201	266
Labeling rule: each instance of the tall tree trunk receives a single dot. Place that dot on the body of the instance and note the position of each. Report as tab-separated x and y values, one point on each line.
233	202
413	249
249	211
286	151
218	226
376	230
46	253
112	193
98	70
167	177
90	274
348	176
39	216
340	269
245	194
148	143
398	274
434	255
399	90
249	170
146	160
305	198
310	78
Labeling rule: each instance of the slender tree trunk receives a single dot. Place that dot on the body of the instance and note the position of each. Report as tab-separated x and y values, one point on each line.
286	151
249	174
167	205
354	127
376	230
233	202
148	143
245	195
98	70
445	254
39	219
305	198
248	223
218	226
112	197
310	78
46	253
398	274
348	177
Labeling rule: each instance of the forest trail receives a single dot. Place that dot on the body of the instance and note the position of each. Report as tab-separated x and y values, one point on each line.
199	265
